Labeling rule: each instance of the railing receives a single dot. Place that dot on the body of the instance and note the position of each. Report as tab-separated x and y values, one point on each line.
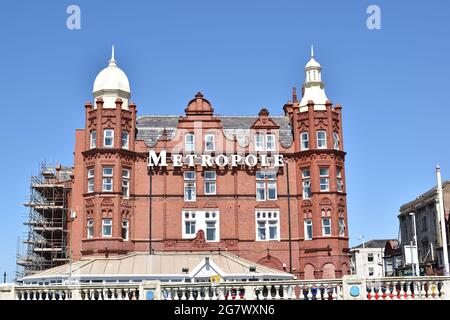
407	288
273	290
348	288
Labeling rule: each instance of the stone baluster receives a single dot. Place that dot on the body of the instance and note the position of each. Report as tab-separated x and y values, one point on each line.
402	290
394	291
423	292
432	290
222	293
309	292
409	295
287	292
214	295
277	292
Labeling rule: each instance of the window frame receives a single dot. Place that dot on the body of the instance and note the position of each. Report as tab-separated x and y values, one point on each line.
308	223
125	146
262	218
336	141
110	225
107	177
126	182
93	139
324	177
273	142
90	180
304	180
105	137
325	145
342	227
210	135
260	144
191	144
127	228
209	181
90	228
324	227
304	141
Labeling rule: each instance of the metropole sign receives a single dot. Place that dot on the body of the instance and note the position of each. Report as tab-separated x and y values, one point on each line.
178	160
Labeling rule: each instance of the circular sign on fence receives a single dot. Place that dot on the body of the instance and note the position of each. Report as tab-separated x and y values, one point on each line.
354	291
150	295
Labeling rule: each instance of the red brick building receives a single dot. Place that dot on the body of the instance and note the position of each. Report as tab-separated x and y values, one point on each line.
248	206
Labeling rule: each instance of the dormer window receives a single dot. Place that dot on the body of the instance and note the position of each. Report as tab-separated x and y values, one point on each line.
209	142
189	142
264	142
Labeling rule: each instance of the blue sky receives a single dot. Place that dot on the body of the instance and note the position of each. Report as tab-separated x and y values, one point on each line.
242	55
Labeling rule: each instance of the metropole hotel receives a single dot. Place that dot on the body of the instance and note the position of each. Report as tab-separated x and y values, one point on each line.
265	192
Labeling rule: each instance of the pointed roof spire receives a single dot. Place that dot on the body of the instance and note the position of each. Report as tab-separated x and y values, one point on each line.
112	62
312	51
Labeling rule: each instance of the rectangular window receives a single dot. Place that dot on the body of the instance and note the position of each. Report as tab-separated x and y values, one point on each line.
189	186
324	179
90	180
189	142
210	182
308	229
125	230
340	186
93	139
371	272
125	140
370	257
211	231
107	227
107	179
90	228
321	140
208	221
126	183
326	226
341	227
259	142
304	141
270	142
336	140
108	138
267	225
306	177
266	185
209	142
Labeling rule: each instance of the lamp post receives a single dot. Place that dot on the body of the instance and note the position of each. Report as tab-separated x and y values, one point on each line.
414	262
442	221
73	215
361	237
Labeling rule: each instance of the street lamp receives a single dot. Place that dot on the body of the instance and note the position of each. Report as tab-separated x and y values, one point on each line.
73	215
361	237
413	259
441	215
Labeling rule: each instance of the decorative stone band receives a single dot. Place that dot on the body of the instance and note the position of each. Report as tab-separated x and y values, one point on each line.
221	160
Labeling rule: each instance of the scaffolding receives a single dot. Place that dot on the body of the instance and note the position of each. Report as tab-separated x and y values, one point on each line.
45	243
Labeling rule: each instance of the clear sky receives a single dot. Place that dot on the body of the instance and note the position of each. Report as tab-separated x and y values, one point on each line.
243	55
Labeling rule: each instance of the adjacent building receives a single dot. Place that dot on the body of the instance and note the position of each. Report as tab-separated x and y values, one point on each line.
367	259
426	226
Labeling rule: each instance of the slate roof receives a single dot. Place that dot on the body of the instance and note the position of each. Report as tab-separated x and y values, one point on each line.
378	243
150	128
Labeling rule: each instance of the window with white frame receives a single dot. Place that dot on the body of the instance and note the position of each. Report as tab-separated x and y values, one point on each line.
107	179
266	185
259	142
93	139
189	186
326	226
210	182
125	229
267	225
321	139
304	141
125	140
324	179
208	221
126	183
270	142
211	225
308	229
210	142
341	227
306	181
90	186
340	185
336	140
108	138
90	228
107	227
265	142
189	142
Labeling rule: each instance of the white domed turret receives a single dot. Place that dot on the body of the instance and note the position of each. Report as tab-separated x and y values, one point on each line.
112	83
314	88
